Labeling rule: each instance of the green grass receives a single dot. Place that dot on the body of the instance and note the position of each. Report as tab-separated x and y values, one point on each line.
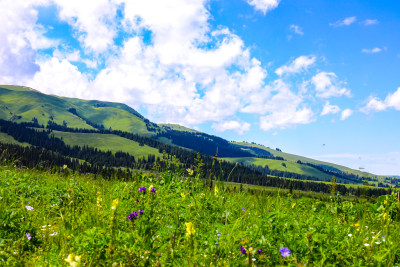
74	215
295	158
5	138
177	127
277	165
28	103
107	142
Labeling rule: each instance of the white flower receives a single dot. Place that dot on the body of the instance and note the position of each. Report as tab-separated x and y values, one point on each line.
366	244
350	235
29	208
377	242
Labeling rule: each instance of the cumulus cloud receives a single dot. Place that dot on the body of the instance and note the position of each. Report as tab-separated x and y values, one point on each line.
344	22
330	109
296	29
93	21
346	113
327	85
296	66
237	126
281	107
264	5
372	50
369	22
19	37
392	100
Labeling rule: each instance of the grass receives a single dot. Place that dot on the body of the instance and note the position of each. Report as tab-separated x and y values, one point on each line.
5	138
295	158
289	166
184	224
107	142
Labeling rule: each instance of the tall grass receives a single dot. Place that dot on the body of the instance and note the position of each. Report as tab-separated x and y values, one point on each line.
78	220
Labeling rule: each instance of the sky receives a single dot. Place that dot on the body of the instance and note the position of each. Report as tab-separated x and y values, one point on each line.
315	78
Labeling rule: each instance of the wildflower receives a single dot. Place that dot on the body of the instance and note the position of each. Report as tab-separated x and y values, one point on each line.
350	235
285	252
218	234
133	215
99	200
269	210
242	250
383	238
366	244
73	259
65	166
244	210
29	236
216	190
114	204
153	190
137	201
377	242
183	196
142	189
29	208
190	229
259	251
357	225
189	171
140	212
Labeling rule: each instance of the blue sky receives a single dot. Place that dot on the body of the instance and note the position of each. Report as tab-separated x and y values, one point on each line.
314	78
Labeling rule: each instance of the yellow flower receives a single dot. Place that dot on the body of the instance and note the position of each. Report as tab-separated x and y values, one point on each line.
65	166
99	200
189	229
114	204
183	196
151	187
73	260
190	171
216	190
357	225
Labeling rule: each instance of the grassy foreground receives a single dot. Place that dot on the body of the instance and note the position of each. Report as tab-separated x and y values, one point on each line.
172	219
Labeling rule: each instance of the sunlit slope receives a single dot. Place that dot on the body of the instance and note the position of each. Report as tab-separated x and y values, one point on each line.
107	142
295	158
5	138
22	104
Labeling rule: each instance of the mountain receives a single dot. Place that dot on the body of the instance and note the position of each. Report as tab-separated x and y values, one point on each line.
25	105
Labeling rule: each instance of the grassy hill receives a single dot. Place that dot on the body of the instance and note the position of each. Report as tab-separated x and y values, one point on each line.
22	104
107	142
295	158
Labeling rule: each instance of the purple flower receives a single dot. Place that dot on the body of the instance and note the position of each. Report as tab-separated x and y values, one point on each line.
137	201
29	208
28	235
259	251
132	216
153	190
244	210
269	210
142	189
242	250
140	212
285	252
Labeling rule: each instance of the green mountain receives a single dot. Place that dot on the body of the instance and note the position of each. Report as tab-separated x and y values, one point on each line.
25	105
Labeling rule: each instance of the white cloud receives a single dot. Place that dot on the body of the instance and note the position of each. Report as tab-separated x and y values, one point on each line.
298	65
392	100
264	5
93	20
327	85
346	113
344	22
238	127
283	108
372	51
369	22
61	78
330	109
296	29
19	37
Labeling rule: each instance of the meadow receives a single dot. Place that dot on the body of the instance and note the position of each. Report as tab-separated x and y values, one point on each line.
175	219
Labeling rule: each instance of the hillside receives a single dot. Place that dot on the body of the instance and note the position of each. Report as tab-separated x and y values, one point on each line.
99	118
